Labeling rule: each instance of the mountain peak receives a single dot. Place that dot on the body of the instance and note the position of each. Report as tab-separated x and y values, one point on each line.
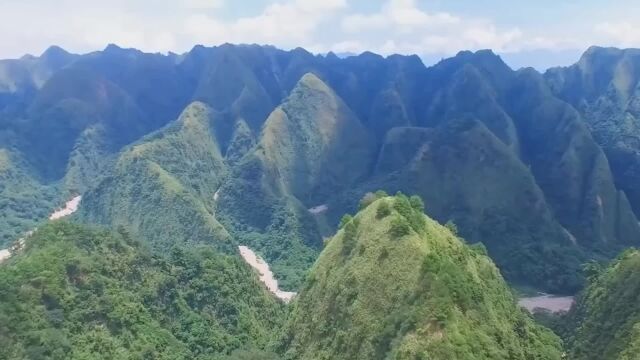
393	281
54	51
112	47
485	56
310	79
310	83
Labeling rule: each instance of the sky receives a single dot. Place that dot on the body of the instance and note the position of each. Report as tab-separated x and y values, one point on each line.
538	33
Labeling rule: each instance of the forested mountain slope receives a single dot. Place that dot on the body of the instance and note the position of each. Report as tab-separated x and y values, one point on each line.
605	322
162	188
605	87
79	293
394	284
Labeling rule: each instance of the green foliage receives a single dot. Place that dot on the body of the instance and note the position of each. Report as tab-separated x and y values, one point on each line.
416	203
400	227
603	87
77	293
289	133
451	226
592	270
605	321
346	218
349	238
251	355
383	210
23	200
367	200
430	297
162	187
479	248
410	211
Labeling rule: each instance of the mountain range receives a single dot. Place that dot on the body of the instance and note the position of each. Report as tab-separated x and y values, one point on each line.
247	144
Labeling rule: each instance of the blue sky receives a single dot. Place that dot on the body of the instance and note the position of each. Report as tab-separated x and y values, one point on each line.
540	33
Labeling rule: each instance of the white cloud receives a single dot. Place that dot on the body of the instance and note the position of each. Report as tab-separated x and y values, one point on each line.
359	23
285	24
402	27
401	15
396	26
623	34
203	4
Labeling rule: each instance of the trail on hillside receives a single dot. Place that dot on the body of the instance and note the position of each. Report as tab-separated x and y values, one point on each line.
266	275
69	208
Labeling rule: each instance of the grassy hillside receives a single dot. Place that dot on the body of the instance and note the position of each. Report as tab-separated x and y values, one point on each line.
77	293
394	284
314	143
605	322
162	188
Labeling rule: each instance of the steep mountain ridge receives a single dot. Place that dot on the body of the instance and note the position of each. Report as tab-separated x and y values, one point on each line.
605	87
315	143
394	284
178	170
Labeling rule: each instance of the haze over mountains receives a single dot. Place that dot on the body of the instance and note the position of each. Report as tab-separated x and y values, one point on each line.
251	145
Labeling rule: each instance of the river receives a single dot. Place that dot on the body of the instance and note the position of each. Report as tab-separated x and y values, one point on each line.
549	302
266	275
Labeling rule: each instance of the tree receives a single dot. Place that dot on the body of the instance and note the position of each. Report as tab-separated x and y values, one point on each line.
417	203
400	227
383	210
451	226
367	200
345	220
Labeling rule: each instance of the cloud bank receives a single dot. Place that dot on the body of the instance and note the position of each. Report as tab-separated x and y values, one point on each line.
390	26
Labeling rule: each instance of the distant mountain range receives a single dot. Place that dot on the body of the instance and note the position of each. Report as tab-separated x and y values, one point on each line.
234	144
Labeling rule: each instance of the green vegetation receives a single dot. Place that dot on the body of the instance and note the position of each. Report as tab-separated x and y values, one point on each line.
23	200
315	143
541	169
78	293
162	188
471	178
310	148
605	322
417	294
603	86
